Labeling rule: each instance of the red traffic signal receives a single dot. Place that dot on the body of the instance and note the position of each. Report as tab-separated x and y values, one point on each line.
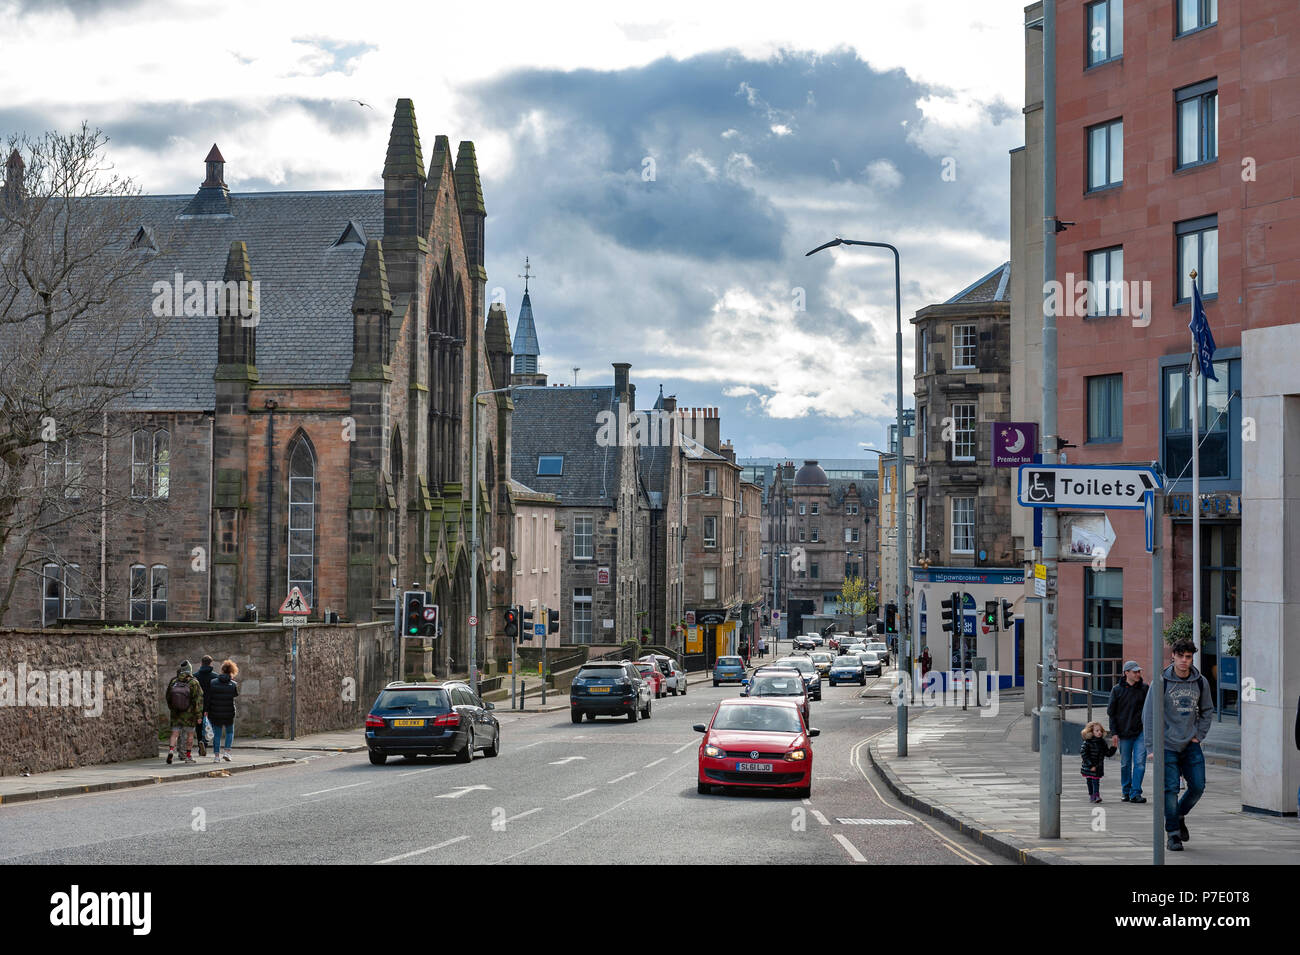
512	622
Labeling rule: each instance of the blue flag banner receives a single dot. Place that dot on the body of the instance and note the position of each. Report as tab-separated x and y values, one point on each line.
1200	327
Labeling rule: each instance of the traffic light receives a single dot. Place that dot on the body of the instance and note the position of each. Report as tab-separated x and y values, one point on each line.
1008	617
413	601
552	621
512	622
430	629
880	626
891	618
991	614
950	613
526	619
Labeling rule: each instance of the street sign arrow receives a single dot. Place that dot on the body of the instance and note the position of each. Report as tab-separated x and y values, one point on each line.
1119	487
462	791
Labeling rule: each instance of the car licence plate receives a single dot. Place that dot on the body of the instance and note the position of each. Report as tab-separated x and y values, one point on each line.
408	722
598	689
753	767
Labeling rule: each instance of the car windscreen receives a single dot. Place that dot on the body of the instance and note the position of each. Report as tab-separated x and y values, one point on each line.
791	685
870	656
876	647
729	661
846	661
414	700
821	657
757	719
601	673
802	664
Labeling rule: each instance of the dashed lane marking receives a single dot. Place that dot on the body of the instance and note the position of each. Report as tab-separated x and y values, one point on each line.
655	763
522	814
819	817
335	789
417	771
576	795
620	779
874	822
420	852
850	848
686	746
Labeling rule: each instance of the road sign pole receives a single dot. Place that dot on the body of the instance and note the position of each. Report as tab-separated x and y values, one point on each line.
543	614
293	686
1157	688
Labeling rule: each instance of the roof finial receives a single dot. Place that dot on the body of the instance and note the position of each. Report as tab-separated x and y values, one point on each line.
527	274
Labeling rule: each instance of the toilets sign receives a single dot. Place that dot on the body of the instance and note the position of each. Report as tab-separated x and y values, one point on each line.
1083	486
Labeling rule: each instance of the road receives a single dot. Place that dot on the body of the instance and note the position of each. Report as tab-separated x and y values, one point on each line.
605	791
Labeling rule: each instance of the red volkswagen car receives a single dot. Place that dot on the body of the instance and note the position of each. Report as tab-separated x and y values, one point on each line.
652	675
756	744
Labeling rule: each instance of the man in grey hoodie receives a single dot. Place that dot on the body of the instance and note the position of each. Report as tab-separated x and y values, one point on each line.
1189	708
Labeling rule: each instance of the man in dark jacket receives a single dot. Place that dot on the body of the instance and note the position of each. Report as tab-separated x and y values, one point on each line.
1189	708
1125	714
185	703
204	675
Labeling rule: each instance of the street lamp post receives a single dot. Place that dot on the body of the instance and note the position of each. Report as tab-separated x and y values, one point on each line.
903	627
473	537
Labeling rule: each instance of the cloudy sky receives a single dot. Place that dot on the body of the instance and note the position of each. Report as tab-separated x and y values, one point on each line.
664	165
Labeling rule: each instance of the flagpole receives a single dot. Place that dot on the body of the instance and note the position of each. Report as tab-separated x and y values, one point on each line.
1196	489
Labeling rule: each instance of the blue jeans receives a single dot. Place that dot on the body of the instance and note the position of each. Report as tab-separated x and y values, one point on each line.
217	732
1190	764
1132	765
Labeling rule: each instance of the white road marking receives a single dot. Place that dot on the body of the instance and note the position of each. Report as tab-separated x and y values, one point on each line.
522	814
207	792
462	790
567	759
620	779
538	743
819	817
850	848
687	746
335	789
655	763
420	852
874	822
414	771
576	795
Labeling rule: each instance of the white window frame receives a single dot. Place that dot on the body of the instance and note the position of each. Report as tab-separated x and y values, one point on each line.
1103	161
709	583
710	481
580	535
137	574
965	512
965	345
302	523
1106	281
158	579
710	531
960	443
582	615
816	508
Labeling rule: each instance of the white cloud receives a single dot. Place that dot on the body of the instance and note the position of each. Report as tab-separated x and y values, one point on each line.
781	129
883	174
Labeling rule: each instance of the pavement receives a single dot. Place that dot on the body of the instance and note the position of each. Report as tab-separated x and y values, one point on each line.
979	774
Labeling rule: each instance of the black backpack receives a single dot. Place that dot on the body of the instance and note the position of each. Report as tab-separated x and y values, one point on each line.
178	695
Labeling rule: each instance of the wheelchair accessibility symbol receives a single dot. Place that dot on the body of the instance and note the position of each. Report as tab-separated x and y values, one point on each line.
1041	488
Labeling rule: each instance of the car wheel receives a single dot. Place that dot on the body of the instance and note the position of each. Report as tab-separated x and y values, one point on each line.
577	716
495	748
715	682
591	717
703	789
632	715
646	712
832	683
683	688
863	681
466	755
673	691
378	759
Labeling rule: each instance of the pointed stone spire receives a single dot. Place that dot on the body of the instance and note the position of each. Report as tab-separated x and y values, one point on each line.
372	282
213	198
439	161
404	157
496	338
14	167
469	190
238	270
526	349
237	321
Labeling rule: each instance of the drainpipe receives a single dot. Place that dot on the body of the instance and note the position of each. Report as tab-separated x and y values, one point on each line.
103	521
271	405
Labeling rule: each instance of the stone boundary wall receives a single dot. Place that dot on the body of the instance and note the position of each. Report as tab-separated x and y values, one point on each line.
341	669
45	724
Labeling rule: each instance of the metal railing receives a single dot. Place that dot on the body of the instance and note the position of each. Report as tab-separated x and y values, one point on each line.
1103	675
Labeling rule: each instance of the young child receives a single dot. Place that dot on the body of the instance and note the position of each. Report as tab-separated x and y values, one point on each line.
1095	749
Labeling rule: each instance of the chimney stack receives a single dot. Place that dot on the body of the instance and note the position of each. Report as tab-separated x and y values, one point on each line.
14	167
621	370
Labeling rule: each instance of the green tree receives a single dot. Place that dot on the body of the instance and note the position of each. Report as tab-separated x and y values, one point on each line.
856	599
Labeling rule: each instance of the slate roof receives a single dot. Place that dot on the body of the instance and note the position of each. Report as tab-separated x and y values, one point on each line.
987	288
549	420
867	490
306	285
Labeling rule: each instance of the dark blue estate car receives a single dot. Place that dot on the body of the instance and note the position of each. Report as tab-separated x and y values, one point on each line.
433	719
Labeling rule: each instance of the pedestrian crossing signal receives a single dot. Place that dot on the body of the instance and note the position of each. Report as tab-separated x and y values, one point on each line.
991	614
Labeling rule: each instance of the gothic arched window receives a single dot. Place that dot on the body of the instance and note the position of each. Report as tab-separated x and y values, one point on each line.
302	519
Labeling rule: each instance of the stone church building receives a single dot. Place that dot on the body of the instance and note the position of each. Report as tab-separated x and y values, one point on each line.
325	441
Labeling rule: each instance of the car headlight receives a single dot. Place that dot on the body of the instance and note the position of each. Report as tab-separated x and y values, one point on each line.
796	754
715	752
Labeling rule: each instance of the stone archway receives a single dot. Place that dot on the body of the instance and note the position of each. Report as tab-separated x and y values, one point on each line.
442	597
460	623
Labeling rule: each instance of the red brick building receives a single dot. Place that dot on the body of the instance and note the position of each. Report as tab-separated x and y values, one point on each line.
1177	143
324	443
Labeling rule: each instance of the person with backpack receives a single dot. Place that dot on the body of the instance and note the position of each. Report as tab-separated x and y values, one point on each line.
221	710
1189	709
204	675
1127	698
185	702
